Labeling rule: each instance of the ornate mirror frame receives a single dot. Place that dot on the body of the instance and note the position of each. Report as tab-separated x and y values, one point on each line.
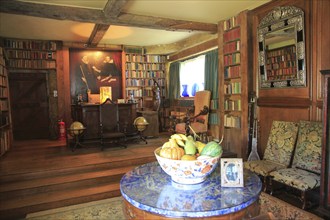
282	19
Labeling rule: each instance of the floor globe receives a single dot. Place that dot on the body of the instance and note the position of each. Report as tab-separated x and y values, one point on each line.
76	128
140	123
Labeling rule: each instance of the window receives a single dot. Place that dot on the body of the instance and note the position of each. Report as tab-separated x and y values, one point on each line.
192	76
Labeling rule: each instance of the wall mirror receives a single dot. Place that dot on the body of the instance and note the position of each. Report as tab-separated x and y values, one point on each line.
281	52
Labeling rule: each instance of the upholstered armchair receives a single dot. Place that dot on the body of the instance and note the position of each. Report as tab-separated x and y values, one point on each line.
304	174
199	122
278	152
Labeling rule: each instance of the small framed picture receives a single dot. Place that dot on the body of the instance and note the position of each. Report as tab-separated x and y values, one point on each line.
232	172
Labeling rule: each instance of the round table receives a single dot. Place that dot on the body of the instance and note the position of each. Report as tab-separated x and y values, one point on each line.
149	193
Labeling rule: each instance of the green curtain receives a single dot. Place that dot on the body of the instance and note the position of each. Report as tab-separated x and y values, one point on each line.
211	82
174	81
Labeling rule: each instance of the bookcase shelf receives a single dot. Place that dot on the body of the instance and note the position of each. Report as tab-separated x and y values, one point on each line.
234	70
5	113
141	73
30	54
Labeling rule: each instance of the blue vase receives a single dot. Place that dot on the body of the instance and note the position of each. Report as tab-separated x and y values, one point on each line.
185	91
195	88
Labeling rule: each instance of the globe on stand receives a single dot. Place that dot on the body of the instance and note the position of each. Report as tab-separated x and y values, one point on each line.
140	123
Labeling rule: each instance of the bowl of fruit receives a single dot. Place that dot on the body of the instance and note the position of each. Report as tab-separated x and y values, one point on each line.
186	160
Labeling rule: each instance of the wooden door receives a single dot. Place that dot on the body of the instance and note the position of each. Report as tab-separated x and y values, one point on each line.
29	104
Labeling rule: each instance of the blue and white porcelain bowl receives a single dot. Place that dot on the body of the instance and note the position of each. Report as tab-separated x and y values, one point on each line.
187	171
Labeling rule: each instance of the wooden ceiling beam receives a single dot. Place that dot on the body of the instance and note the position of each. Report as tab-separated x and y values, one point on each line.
102	16
113	8
97	34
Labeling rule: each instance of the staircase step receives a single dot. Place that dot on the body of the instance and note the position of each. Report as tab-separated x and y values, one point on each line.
19	207
30	187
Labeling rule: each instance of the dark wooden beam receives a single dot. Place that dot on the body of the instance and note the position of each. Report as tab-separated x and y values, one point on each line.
97	34
102	17
114	7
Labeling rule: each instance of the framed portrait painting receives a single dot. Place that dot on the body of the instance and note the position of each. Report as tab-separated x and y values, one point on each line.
232	172
92	69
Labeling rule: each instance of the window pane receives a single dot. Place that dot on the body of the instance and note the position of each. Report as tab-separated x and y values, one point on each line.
192	76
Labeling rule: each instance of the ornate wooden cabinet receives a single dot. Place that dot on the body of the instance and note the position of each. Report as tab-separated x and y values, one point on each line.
88	114
325	174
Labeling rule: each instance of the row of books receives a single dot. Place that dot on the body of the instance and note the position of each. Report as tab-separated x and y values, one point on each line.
145	66
232	105
232	34
4	142
3	71
4	119
232	72
26	54
31	45
145	74
32	64
281	65
3	92
282	51
231	47
232	59
281	74
144	82
232	121
282	58
4	105
232	88
141	92
230	23
145	58
3	81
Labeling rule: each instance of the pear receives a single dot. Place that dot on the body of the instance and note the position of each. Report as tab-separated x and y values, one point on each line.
190	147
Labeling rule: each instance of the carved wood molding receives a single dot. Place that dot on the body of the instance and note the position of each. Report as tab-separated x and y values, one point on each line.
284	102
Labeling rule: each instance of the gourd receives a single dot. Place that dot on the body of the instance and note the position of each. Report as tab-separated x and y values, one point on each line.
174	153
212	149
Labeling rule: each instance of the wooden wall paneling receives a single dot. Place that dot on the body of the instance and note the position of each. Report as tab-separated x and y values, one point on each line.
63	86
268	114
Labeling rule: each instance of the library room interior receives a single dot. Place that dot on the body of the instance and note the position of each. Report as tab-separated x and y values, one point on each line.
188	109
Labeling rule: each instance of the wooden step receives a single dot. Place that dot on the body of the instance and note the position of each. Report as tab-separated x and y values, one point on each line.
19	207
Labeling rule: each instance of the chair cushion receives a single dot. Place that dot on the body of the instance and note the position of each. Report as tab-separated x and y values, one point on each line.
281	142
309	147
262	167
297	178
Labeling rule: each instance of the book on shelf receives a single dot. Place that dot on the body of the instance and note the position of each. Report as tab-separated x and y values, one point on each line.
30	44
232	88
231	47
232	59
232	105
33	55
213	118
232	34
230	23
232	72
232	121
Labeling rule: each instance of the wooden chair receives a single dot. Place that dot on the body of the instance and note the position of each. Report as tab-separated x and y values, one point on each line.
304	175
199	122
278	152
111	130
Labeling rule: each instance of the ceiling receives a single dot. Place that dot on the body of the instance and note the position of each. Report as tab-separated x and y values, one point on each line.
119	22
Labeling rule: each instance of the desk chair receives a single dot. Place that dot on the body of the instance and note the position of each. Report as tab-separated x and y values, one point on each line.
111	130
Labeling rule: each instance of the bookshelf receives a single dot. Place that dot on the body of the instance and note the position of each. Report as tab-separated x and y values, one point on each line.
281	63
141	73
30	54
5	117
234	84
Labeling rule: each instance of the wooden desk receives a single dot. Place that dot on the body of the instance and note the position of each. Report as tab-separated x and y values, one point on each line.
150	193
89	116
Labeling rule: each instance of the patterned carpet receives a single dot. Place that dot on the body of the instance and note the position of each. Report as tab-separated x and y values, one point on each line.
112	209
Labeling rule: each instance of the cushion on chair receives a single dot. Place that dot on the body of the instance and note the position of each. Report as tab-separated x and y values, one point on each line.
297	178
309	147
281	142
262	167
